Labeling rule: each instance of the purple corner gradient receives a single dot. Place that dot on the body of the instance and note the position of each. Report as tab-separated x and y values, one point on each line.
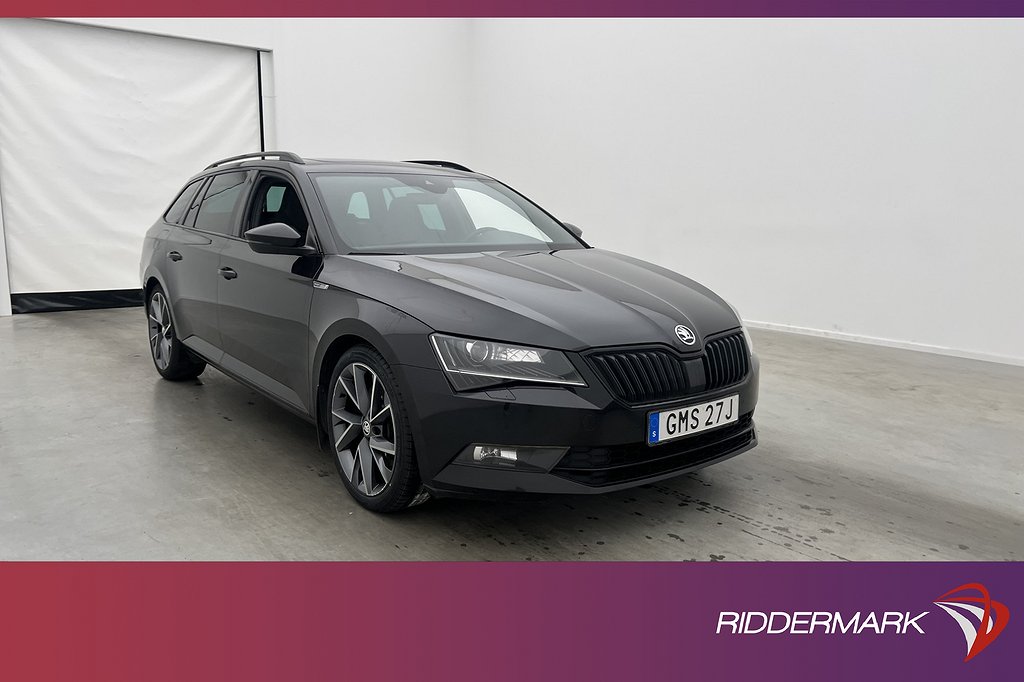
493	622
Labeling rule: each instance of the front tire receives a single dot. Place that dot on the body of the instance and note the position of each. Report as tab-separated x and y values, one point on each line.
370	434
170	356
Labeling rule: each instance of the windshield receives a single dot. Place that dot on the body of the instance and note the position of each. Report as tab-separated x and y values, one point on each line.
413	213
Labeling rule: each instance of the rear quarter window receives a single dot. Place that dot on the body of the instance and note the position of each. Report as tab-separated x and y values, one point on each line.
176	212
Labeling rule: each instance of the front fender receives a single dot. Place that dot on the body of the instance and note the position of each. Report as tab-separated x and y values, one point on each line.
337	314
399	337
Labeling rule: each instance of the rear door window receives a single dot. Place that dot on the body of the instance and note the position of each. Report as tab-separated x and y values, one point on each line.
218	211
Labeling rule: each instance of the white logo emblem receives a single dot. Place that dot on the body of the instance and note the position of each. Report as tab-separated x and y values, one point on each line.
685	335
992	616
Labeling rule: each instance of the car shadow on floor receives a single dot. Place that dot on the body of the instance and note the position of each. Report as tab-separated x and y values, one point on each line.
776	503
237	422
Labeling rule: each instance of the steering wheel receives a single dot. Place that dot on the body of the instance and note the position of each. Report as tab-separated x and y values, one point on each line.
480	231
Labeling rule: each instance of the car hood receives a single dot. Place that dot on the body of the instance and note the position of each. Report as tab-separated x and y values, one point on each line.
571	299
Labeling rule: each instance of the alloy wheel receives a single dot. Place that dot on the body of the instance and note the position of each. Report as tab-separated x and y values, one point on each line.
363	427
161	331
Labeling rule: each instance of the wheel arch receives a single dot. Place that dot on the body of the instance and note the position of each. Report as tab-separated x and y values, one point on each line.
339	338
152	280
340	320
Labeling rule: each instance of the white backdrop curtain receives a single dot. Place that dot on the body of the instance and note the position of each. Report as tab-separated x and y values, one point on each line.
99	128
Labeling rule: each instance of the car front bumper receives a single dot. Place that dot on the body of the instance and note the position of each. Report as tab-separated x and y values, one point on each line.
605	440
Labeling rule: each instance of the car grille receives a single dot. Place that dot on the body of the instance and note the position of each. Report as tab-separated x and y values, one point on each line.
608	466
648	375
726	361
641	376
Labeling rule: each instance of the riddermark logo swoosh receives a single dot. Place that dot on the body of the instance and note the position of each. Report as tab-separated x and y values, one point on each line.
971	602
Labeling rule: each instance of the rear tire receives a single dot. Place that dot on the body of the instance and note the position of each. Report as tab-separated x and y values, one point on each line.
170	357
368	426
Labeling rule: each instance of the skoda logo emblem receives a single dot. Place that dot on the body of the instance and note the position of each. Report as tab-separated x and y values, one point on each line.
685	335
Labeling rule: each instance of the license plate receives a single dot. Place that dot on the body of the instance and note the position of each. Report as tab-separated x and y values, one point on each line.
686	421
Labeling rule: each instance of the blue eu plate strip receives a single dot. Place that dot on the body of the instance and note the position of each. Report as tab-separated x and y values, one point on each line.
652	428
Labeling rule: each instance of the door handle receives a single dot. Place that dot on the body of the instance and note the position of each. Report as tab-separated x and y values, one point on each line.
227	273
174	256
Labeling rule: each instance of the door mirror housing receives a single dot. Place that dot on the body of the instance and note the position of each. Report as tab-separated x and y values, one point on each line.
276	238
575	230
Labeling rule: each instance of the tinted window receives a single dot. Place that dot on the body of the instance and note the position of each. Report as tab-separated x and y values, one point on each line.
275	195
220	205
415	213
177	210
190	216
276	201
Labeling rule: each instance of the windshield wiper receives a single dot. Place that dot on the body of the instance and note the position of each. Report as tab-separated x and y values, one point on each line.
376	253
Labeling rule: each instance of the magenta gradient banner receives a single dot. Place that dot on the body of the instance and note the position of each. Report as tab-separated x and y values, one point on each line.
518	8
473	621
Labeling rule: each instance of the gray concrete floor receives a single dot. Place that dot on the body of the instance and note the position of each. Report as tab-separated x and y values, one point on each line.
866	453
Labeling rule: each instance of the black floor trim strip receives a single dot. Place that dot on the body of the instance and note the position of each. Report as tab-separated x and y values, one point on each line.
48	302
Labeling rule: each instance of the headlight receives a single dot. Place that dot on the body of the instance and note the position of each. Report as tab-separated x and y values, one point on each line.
472	363
743	328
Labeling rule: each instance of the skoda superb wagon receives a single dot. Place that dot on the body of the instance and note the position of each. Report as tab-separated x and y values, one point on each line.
444	334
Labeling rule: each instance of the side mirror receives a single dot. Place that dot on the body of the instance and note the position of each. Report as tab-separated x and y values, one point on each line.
575	230
276	238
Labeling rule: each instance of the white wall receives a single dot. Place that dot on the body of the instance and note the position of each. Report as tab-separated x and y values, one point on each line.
5	286
859	177
96	136
353	88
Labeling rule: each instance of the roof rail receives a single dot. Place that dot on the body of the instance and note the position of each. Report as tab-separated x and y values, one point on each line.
444	164
284	156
